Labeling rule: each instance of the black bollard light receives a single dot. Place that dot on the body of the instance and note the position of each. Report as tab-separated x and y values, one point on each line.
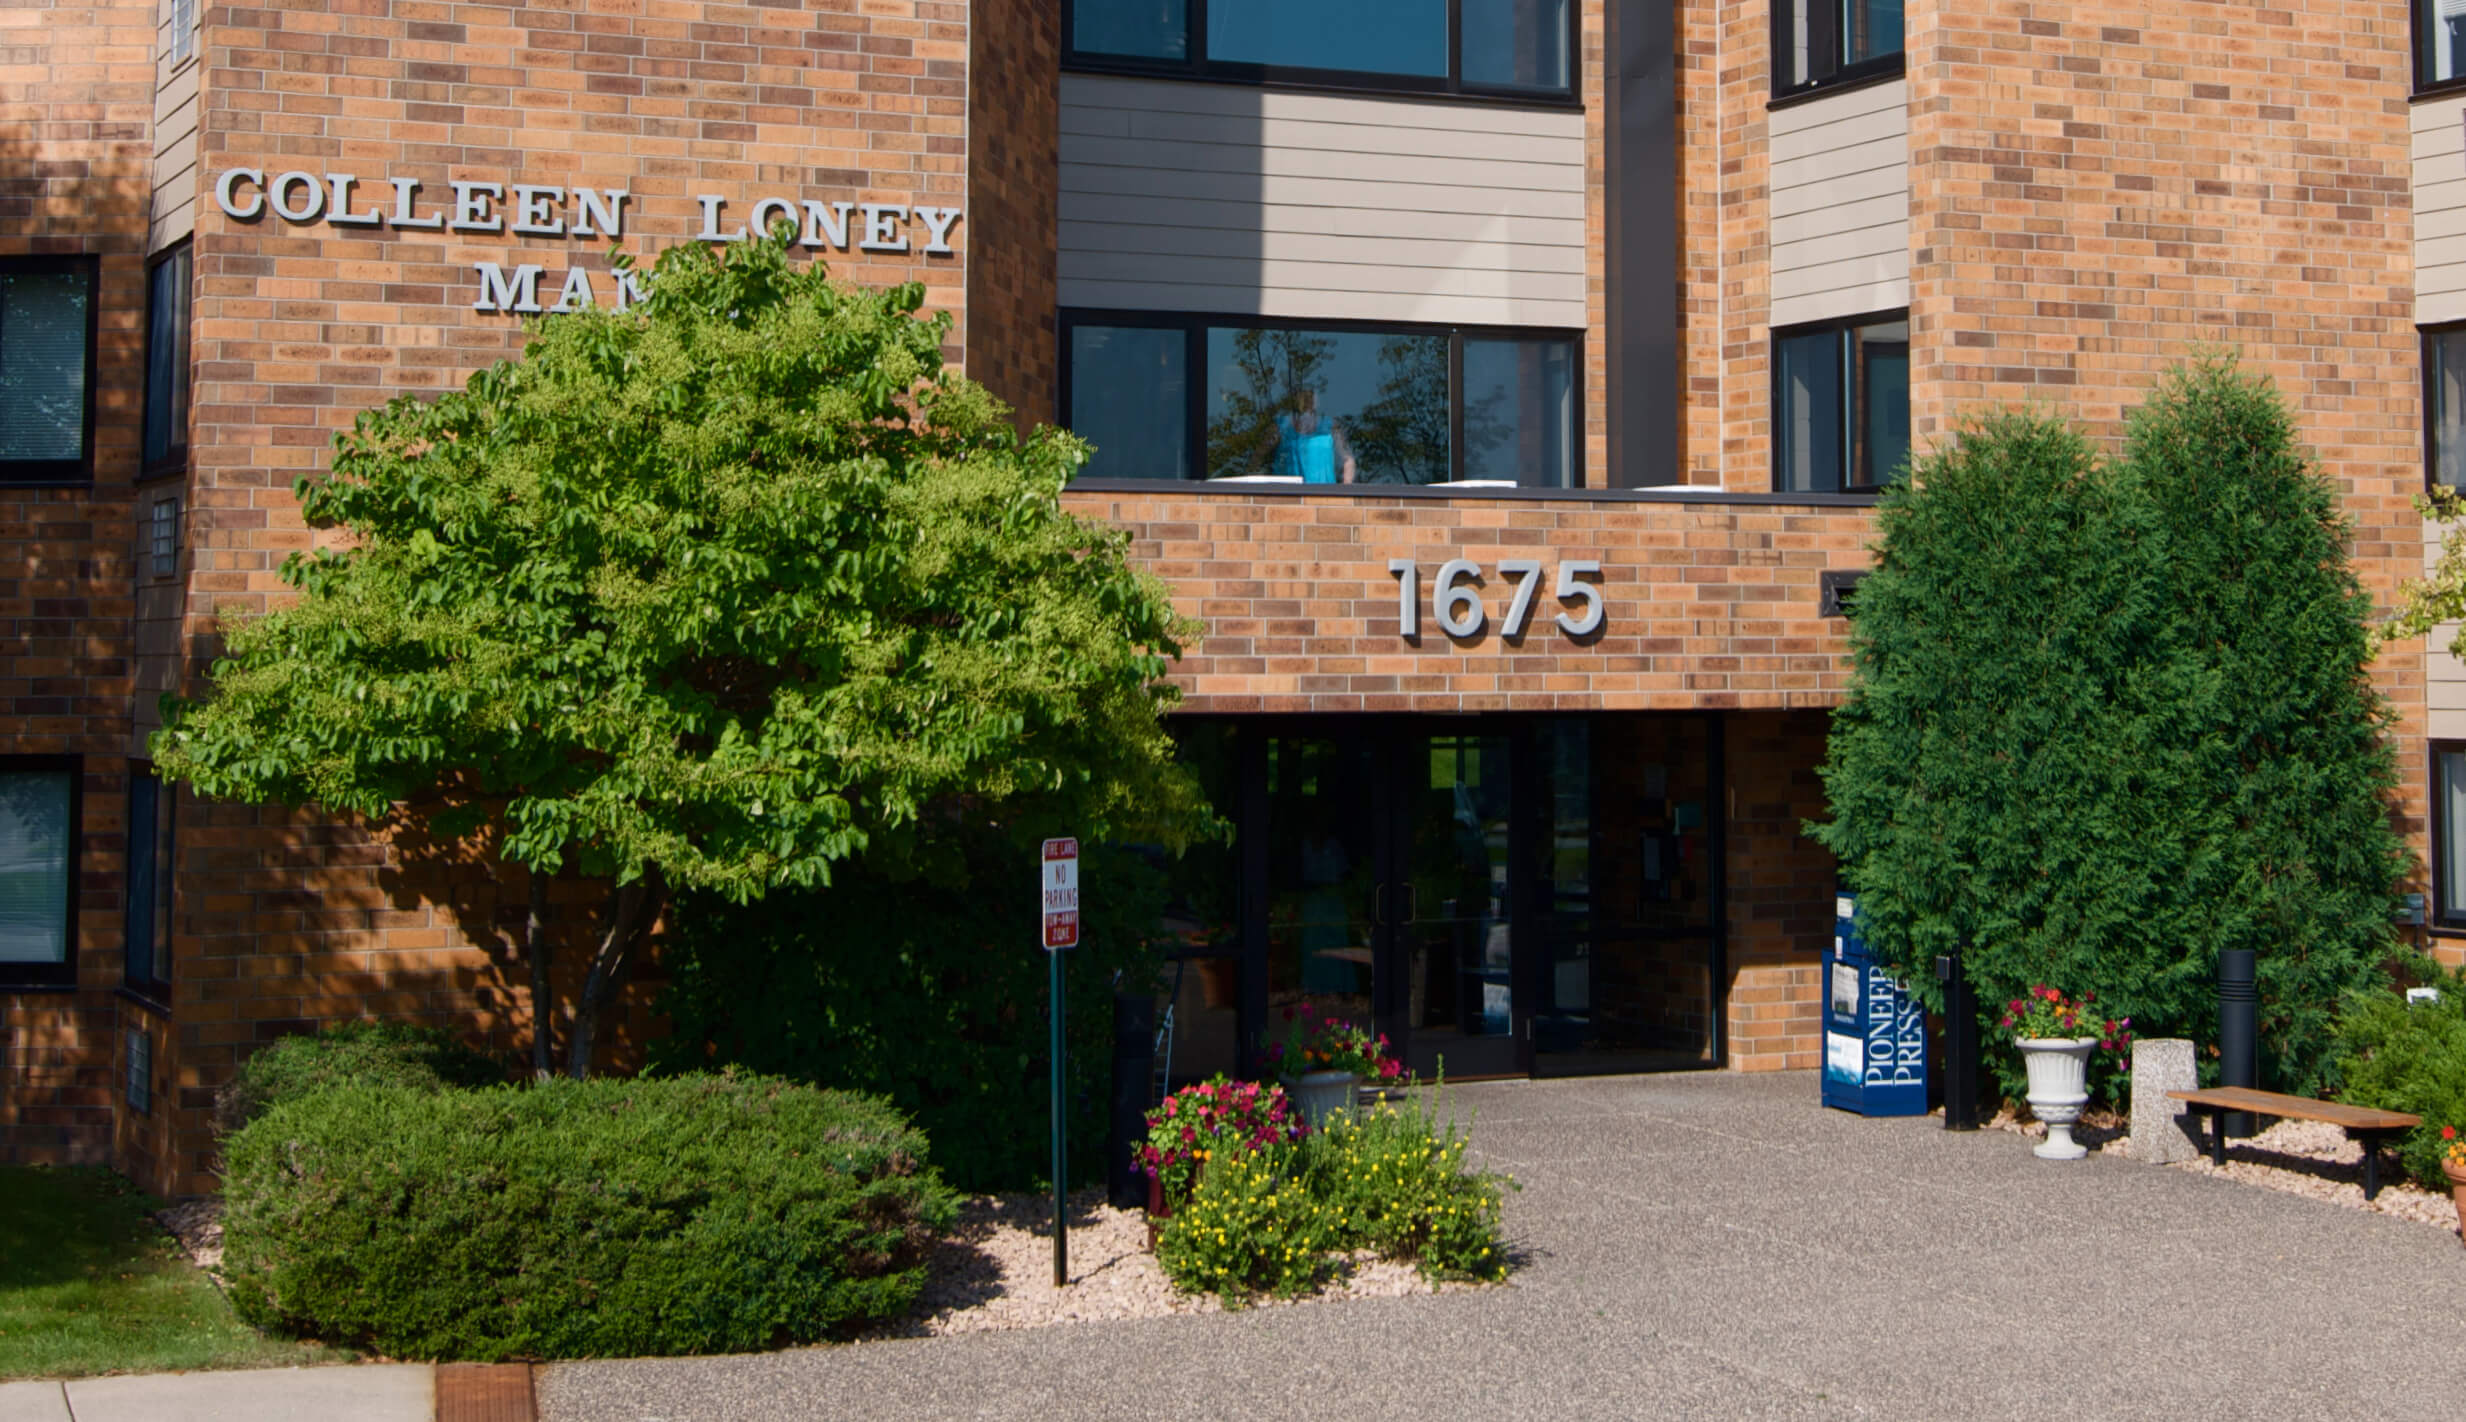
1960	1045
1134	1066
2238	1034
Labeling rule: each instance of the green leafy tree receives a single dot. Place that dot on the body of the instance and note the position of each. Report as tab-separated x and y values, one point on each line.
2110	719
711	594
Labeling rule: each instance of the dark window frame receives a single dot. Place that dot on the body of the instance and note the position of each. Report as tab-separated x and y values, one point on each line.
1194	327
39	473
60	976
2446	916
138	909
2429	335
1848	76
174	463
1772	394
1198	66
2419	70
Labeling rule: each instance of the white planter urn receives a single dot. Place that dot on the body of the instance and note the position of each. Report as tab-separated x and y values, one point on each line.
1321	1094
2058	1089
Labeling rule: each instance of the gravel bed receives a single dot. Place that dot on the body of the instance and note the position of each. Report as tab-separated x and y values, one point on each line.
995	1271
2309	1158
198	1225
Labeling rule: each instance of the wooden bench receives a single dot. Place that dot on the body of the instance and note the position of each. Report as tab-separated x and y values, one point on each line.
2362	1123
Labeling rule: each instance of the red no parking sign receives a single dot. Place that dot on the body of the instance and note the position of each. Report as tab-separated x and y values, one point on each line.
1061	893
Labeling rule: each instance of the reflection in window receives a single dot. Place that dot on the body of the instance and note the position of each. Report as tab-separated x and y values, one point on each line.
1520	46
1519	411
34	870
1840	407
1327	407
166	423
46	364
1127	396
2444	368
1819	40
2449	813
1369	36
2440	42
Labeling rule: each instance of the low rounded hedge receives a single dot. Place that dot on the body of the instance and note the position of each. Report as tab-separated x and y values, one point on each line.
693	1214
2410	1056
366	1052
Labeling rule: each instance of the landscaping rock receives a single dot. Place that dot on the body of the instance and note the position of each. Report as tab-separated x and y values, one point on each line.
2161	1128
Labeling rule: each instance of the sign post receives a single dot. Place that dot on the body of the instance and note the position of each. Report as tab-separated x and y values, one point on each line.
1059	882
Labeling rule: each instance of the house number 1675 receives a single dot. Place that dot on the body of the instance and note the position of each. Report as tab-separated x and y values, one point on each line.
1456	602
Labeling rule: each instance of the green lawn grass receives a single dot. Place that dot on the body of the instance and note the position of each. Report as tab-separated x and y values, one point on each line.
89	1285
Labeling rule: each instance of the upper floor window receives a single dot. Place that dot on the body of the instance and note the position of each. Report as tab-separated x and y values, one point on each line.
1819	42
38	888
166	428
46	368
2444	404
1840	405
1210	397
1503	47
2440	43
179	31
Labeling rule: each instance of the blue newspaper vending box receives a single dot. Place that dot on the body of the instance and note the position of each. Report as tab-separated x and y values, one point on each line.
1875	1033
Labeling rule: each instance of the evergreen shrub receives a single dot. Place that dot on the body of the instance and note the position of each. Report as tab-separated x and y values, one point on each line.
366	1052
2108	718
609	1218
2402	1056
929	994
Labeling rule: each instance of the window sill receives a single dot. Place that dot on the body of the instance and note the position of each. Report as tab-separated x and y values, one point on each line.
1865	76
2445	89
1365	87
1659	494
9	989
159	1006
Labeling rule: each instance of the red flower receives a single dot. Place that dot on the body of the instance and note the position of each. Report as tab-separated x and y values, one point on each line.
2448	1133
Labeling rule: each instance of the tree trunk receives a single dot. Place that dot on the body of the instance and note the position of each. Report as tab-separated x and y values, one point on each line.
637	908
543	997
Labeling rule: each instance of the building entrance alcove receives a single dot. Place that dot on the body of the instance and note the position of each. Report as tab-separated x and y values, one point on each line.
1500	895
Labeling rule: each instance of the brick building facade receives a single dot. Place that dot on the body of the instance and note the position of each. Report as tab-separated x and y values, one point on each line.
1559	847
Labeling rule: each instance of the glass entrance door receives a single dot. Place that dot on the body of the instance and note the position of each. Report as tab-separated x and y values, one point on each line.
1451	909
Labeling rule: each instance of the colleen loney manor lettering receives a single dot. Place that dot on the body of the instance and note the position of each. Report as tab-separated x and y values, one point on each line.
303	198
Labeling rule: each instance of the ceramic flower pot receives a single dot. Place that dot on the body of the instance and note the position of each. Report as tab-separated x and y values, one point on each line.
2457	1194
1321	1094
2058	1088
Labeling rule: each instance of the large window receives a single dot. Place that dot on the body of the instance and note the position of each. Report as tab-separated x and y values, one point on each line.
1504	47
2444	405
46	368
147	965
1194	397
2440	43
2449	834
1840	405
166	430
1816	43
38	887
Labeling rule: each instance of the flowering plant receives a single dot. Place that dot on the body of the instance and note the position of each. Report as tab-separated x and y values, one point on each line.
2452	1150
2048	1013
1218	1114
1313	1043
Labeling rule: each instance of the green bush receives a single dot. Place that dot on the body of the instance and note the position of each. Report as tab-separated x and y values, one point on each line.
1391	1180
696	1214
930	995
362	1053
2110	717
1251	1225
1396	1180
2401	1056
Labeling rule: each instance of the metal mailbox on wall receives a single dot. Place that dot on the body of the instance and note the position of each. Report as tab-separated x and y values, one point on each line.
1875	1033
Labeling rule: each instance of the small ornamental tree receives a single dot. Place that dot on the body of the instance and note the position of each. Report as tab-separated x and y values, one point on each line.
2107	719
709	594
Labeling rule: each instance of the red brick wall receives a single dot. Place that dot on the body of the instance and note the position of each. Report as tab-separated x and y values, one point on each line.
1780	889
1014	72
76	102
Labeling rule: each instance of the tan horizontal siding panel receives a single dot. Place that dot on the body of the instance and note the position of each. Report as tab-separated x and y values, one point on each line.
1871	172
1841	298
1851	132
1099	91
1348	164
1319	247
2434	307
1250	299
1855	224
1833	108
1403	203
1143	210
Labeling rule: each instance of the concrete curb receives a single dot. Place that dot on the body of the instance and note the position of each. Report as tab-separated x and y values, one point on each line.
378	1392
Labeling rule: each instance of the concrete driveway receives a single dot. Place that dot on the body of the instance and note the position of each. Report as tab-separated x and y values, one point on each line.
1715	1245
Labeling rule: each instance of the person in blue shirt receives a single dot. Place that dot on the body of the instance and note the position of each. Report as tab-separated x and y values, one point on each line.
1310	445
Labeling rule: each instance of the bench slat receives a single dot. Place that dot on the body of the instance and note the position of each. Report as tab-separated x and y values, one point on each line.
2271	1103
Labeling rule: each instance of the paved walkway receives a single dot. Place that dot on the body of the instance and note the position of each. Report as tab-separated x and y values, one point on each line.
393	1392
1718	1246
